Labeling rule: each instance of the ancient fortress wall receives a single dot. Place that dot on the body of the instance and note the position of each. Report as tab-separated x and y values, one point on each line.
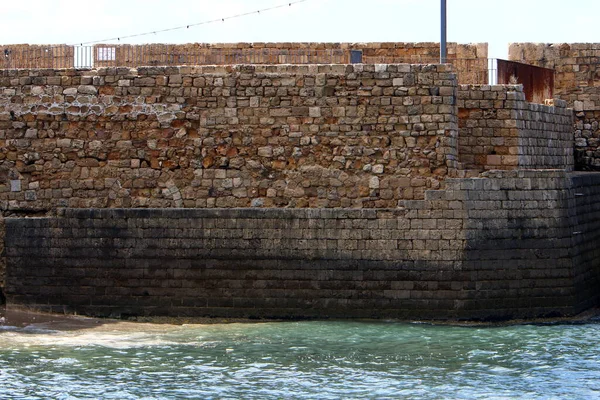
290	191
294	136
501	246
285	136
575	65
500	130
275	52
577	81
469	60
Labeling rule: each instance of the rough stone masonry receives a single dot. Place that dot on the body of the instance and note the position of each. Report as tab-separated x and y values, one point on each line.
291	191
238	136
577	82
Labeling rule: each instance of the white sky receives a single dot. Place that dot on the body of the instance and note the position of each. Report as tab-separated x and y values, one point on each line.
497	22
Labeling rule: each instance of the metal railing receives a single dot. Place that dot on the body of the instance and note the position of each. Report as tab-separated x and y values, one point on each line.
474	71
83	57
493	71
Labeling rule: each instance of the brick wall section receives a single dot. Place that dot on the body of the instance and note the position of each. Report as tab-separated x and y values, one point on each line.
470	60
495	247
577	81
500	130
236	136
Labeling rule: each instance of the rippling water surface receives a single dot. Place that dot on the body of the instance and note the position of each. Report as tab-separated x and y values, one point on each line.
319	360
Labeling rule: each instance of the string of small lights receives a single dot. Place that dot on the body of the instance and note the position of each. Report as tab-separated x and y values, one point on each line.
44	52
118	38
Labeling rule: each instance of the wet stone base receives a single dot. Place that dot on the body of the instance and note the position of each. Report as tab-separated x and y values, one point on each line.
284	263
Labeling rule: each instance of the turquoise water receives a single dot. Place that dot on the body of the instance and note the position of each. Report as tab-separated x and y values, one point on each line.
299	360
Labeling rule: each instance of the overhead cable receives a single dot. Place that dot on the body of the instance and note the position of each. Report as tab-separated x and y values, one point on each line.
187	26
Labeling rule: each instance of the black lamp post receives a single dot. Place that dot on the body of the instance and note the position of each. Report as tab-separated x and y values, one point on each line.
443	46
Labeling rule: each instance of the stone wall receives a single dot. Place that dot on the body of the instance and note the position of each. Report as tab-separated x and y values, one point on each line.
497	247
236	136
519	239
470	60
2	259
575	67
577	81
114	155
500	130
586	236
244	263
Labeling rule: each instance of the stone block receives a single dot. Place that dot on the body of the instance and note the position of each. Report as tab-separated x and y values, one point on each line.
86	89
15	185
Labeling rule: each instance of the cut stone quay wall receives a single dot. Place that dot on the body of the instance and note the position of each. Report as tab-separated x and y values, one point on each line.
586	234
497	247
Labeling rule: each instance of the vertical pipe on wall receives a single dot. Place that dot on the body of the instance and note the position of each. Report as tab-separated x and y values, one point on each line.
443	45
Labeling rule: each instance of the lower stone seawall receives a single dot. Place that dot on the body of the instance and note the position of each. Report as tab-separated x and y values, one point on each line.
586	237
514	244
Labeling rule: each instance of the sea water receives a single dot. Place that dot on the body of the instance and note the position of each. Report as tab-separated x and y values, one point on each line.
298	360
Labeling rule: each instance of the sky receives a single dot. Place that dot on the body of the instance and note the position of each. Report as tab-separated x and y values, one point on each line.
497	22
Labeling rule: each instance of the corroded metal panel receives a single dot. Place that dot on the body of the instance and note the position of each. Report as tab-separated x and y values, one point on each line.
538	83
